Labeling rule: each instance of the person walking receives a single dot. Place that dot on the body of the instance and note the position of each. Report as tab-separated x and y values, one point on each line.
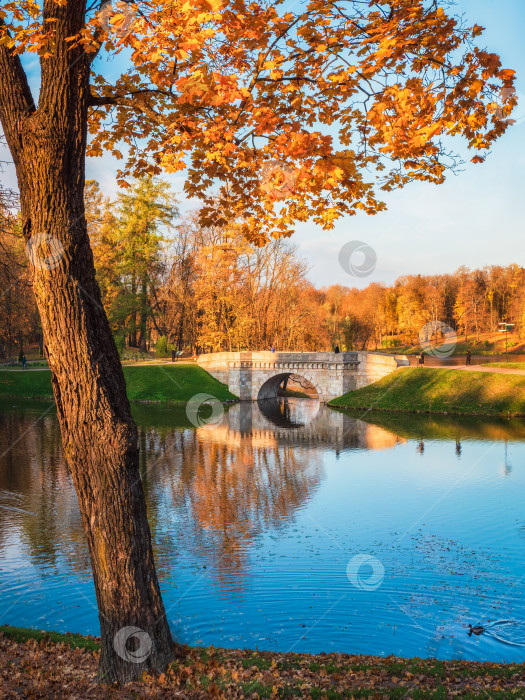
469	357
173	355
337	349
24	361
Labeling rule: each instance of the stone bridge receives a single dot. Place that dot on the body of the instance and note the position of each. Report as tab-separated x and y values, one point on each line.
254	376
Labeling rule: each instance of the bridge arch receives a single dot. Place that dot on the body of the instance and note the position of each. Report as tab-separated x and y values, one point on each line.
269	389
332	374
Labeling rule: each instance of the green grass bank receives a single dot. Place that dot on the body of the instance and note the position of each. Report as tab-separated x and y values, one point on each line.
52	665
441	391
159	383
506	365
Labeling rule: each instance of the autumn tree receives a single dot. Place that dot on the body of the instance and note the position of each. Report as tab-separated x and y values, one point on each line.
351	96
336	311
18	317
8	276
225	293
375	310
466	300
517	303
179	312
102	226
144	216
128	238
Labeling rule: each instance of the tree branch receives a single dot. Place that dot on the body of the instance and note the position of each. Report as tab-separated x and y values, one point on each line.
120	100
16	100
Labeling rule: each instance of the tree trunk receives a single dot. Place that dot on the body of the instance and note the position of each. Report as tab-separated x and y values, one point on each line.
143	318
98	434
181	327
100	444
9	330
133	322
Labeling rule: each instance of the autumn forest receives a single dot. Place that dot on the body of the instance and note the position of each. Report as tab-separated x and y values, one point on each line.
170	284
270	116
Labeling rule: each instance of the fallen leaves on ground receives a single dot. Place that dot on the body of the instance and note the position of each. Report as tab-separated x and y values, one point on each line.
44	669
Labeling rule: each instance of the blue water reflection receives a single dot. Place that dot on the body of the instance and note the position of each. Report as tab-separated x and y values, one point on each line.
256	519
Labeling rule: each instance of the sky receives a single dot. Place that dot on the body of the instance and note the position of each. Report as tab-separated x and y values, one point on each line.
474	219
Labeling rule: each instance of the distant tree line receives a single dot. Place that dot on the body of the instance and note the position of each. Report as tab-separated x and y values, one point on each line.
471	302
171	284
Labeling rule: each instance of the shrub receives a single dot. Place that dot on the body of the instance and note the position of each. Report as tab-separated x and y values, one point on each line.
161	346
134	355
391	343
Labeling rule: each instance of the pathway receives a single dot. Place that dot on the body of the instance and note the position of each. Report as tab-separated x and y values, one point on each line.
481	368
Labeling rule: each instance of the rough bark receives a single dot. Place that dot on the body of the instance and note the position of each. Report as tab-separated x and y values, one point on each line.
99	436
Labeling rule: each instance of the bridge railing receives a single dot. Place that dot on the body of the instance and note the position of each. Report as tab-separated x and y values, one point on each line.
278	356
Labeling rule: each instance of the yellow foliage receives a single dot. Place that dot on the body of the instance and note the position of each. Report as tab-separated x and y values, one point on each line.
227	88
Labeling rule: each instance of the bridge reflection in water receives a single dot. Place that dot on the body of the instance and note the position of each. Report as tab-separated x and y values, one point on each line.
214	489
235	508
254	470
301	422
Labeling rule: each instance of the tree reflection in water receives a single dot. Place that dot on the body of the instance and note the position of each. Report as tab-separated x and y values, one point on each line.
210	491
37	499
230	483
213	490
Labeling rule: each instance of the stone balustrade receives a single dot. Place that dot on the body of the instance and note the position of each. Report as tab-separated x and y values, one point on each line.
258	375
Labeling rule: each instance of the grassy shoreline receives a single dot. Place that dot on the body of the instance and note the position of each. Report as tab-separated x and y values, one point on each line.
506	365
441	391
451	427
43	664
165	383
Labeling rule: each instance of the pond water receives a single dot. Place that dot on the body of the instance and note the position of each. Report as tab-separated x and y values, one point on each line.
289	526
